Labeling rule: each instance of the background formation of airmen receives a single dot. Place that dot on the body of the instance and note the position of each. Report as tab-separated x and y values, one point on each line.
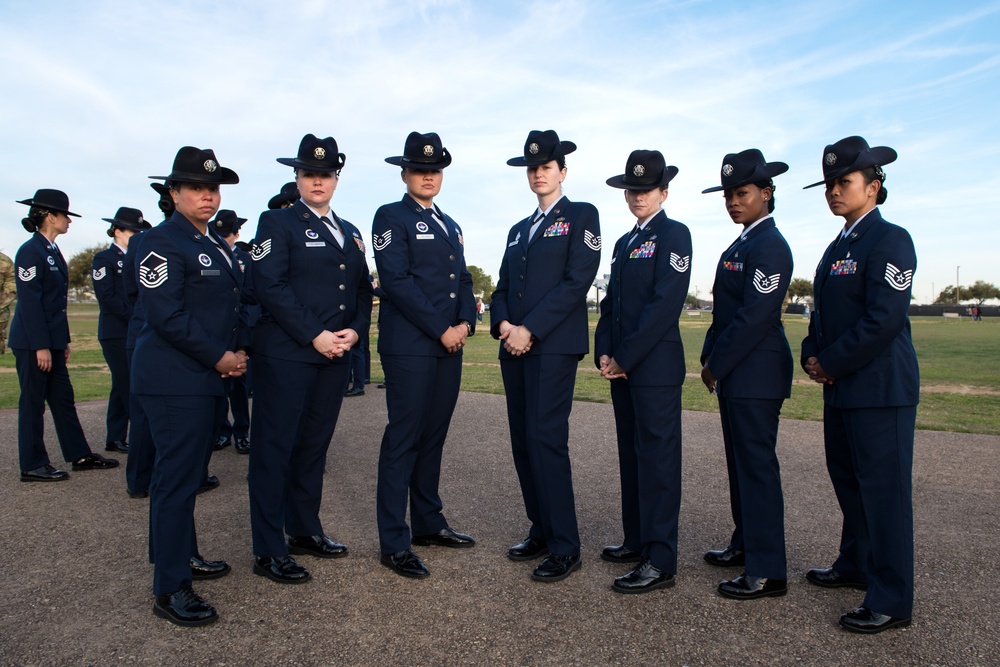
183	307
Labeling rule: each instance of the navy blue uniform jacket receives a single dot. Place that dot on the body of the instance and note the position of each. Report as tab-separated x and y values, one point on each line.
191	299
39	321
644	298
109	288
859	329
544	284
306	283
746	348
422	271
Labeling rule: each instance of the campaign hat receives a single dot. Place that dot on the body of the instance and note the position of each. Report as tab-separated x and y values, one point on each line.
128	218
198	165
50	200
288	194
644	170
852	154
541	147
316	155
423	152
226	222
746	167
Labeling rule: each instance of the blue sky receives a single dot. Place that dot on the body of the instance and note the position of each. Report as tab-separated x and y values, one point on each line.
99	95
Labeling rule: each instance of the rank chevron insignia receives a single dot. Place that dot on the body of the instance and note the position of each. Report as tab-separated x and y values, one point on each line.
152	271
765	284
680	264
899	280
260	250
591	240
25	275
100	273
380	241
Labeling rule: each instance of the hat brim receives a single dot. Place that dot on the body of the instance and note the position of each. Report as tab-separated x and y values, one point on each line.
622	183
123	224
313	166
48	207
769	171
161	188
876	156
401	161
221	176
562	150
278	200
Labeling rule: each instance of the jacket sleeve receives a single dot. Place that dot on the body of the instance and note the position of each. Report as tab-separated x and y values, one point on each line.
102	277
30	268
602	335
498	300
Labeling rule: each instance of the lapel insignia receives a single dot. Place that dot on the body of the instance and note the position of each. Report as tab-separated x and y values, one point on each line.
591	240
765	284
24	275
153	271
380	242
680	264
898	280
100	273
260	250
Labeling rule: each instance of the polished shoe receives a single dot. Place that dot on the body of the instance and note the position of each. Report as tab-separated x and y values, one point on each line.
184	607
728	557
242	445
45	473
221	442
320	546
208	569
643	578
211	482
620	554
116	446
869	622
406	564
282	569
530	549
355	391
827	577
94	462
745	587
381	385
137	494
556	568
446	537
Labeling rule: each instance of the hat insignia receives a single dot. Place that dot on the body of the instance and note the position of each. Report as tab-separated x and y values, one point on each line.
727	170
140	220
210	166
830	159
533	148
319	152
638	170
428	150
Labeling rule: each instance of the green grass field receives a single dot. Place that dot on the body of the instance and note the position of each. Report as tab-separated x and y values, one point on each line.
959	368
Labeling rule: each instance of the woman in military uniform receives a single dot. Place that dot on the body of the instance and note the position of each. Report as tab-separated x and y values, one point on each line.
859	348
747	363
39	337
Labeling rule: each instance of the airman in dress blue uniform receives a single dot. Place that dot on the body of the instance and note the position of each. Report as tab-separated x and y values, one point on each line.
311	279
39	338
860	349
637	346
190	342
423	323
747	363
539	313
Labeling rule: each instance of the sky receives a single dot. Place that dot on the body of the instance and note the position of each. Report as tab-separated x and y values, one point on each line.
99	95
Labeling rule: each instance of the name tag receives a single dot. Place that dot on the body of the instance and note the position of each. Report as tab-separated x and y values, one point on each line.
424	237
210	272
315	244
53	268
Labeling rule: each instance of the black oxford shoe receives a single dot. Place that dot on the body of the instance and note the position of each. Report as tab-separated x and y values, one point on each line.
94	462
138	494
869	622
446	537
242	445
221	442
406	564
208	569
282	569
211	482
620	554
45	473
644	578
728	557
530	549
116	446
745	587
184	607
557	568
320	546
355	391
827	577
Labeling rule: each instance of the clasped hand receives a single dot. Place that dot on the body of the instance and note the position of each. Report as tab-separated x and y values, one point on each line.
816	372
517	340
610	370
334	343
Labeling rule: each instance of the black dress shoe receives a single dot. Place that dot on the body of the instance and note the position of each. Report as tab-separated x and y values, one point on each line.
355	391
45	473
827	577
620	555
116	446
869	622
381	385
211	482
94	462
242	445
530	549
745	587
282	569
406	564
221	442
446	537
643	578
184	607
208	569
138	494
320	546
556	568
728	557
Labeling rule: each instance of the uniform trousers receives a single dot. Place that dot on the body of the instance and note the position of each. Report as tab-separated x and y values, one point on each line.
181	428
869	454
38	388
141	452
750	433
421	393
296	406
648	425
118	411
238	403
539	400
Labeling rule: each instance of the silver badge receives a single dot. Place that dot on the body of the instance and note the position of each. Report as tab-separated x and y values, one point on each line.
638	170
140	220
830	159
533	149
727	170
210	166
428	150
319	153
204	259
51	260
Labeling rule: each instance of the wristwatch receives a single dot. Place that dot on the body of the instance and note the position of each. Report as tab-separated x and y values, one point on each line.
467	326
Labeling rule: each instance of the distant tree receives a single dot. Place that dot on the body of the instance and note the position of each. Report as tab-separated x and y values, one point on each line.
482	283
80	269
948	296
981	291
799	289
693	301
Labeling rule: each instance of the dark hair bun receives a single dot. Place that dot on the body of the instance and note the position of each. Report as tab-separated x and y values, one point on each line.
882	195
29	225
111	231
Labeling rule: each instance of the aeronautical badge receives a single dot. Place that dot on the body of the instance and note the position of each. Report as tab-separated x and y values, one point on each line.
204	260
310	234
638	170
830	159
210	166
765	284
51	260
360	244
591	240
24	275
260	250
100	273
680	264
152	271
422	227
727	170
380	242
319	153
428	150
898	280
533	148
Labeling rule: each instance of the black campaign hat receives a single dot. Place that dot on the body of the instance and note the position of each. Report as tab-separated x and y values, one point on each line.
51	200
746	167
289	193
128	218
422	151
198	165
316	155
852	154
541	147
644	170
226	222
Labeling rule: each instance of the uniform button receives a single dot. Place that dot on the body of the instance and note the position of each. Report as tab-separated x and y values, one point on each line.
452	276
521	276
342	267
452	295
451	257
234	329
524	259
343	307
236	309
342	288
236	290
519	295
